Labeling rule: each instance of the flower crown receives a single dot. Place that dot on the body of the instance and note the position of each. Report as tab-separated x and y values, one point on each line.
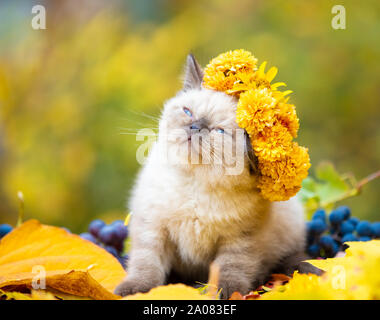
270	121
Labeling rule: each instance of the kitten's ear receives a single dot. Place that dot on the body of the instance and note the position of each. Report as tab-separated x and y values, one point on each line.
193	74
252	159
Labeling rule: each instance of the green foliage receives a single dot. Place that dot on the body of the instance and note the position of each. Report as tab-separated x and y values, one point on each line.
329	187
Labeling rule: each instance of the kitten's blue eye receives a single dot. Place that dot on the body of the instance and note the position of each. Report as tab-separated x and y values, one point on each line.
219	130
187	111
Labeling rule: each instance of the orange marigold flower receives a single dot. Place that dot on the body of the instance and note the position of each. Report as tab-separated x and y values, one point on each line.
256	110
271	122
287	116
258	79
224	71
273	143
274	190
292	167
283	178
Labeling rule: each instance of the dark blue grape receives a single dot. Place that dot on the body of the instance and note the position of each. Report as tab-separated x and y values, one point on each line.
365	238
5	229
376	229
123	260
107	235
336	217
326	242
117	222
309	238
333	229
364	228
354	221
112	250
89	237
349	237
95	227
347	227
345	211
119	246
316	226
329	246
320	214
313	250
121	232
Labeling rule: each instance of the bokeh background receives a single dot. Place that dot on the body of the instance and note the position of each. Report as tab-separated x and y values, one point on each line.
68	93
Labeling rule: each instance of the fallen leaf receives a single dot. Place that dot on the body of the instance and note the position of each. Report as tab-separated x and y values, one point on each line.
170	292
4	295
236	296
42	295
72	265
279	277
252	296
78	283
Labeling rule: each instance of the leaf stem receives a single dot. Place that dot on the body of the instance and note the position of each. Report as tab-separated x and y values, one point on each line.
355	190
367	179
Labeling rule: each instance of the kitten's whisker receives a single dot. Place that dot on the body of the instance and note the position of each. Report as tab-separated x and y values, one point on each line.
137	129
134	134
135	122
140	113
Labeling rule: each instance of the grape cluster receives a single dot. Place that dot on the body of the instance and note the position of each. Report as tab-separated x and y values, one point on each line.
5	229
326	238
110	237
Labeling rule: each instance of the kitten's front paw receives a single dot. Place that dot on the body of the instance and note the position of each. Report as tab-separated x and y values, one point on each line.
230	286
128	287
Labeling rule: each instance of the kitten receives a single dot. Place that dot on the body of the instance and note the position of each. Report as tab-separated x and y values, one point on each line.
188	215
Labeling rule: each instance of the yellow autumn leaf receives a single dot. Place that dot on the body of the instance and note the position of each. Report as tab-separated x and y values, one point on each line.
72	265
329	264
350	277
363	248
42	295
303	287
357	253
4	295
170	292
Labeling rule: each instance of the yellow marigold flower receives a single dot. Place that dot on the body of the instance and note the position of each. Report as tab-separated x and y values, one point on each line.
273	143
256	110
282	179
224	71
287	116
275	190
271	122
258	79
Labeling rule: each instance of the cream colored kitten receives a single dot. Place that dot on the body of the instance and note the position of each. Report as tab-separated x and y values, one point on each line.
186	215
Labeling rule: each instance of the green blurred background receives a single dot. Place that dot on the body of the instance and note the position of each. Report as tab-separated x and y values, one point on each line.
68	92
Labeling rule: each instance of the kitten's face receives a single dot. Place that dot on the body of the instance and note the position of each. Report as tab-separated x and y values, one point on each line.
200	128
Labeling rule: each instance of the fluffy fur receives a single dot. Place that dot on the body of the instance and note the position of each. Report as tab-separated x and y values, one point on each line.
186	216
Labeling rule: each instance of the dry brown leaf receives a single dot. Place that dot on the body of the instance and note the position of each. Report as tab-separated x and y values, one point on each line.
73	265
236	296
